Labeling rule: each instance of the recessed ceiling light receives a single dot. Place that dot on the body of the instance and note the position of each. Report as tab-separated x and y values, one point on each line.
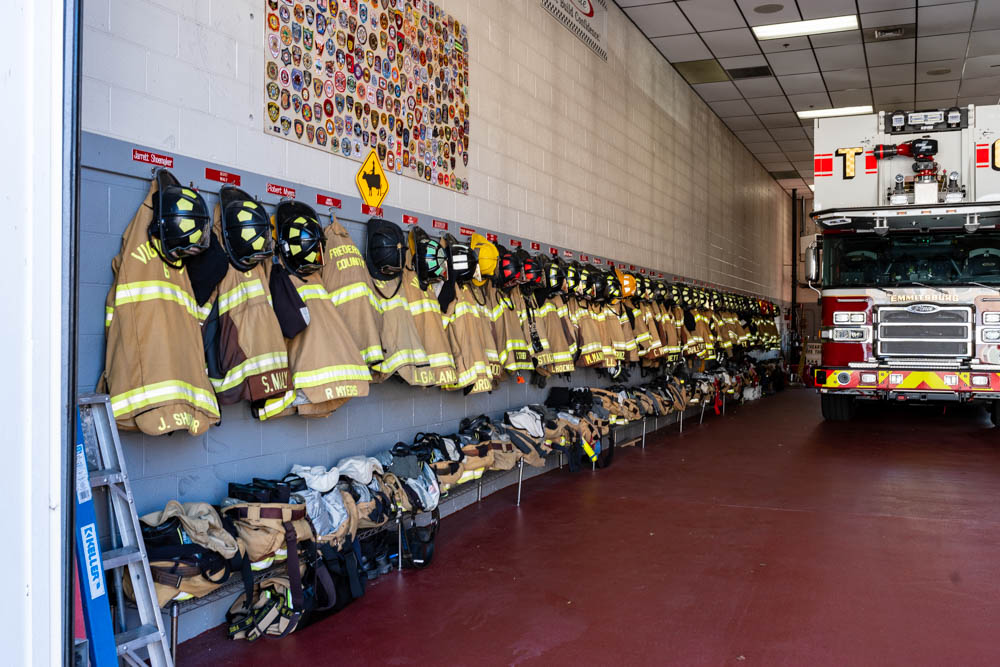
939	71
801	28
840	111
771	8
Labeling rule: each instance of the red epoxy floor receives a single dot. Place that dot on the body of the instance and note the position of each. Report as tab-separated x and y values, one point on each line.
766	537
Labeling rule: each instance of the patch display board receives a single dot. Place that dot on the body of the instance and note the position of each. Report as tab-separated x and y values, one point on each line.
349	76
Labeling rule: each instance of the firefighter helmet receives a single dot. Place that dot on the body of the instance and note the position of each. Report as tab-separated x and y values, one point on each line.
461	259
487	257
300	237
385	250
246	231
628	283
428	256
555	279
508	268
181	223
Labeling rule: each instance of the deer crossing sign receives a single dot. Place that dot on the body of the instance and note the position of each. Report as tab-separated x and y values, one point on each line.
371	180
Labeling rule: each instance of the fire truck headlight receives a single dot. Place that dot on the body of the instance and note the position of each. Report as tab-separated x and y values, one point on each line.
951	380
980	381
991	318
896	378
841	318
857	318
843	377
850	335
991	335
868	378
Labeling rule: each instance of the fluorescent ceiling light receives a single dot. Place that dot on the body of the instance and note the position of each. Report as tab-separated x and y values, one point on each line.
839	111
800	28
812	187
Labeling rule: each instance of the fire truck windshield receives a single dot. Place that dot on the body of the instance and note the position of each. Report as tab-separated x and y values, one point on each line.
952	258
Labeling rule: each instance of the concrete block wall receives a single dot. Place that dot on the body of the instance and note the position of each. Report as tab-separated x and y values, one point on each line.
618	158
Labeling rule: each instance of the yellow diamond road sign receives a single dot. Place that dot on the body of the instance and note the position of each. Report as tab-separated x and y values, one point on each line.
371	180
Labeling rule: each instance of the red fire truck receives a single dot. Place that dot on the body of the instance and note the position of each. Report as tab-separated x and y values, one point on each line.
908	257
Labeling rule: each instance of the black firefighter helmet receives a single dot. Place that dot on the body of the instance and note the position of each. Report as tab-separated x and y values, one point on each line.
246	231
300	237
181	223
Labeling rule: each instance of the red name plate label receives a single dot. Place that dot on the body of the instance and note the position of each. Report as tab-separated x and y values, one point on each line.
631	267
584	258
409	219
440	224
621	266
372	210
661	275
567	253
152	158
597	260
642	270
554	251
515	243
281	190
465	231
222	176
492	238
328	201
536	246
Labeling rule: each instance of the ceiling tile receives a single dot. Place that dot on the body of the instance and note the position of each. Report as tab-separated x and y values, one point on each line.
945	19
851	98
939	89
984	86
893	94
987	16
788	134
749	136
772	157
836	38
891	75
934	104
743	123
743	61
717	92
821	9
763	147
841	57
941	47
775	104
763	87
810	101
795	145
681	48
792	62
729	43
788	44
934	70
788	12
800	155
772	120
795	84
779	165
630	3
804	167
660	19
808	128
896	17
846	79
895	52
731	108
712	14
884	5
986	43
978	101
981	66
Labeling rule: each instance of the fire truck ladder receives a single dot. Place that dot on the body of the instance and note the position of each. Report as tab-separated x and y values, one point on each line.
100	465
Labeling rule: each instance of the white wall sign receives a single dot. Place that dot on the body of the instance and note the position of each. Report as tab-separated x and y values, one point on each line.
587	19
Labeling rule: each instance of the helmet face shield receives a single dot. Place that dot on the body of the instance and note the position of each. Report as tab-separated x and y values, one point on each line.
246	230
300	237
181	225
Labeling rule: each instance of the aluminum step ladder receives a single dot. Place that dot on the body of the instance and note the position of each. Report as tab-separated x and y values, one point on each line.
101	466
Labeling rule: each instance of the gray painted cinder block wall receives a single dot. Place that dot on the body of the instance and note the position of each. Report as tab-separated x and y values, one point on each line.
187	468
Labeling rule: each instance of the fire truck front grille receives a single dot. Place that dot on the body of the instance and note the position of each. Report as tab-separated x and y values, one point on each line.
925	330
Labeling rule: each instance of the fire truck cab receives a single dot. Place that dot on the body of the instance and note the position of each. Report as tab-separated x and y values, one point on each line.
907	261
